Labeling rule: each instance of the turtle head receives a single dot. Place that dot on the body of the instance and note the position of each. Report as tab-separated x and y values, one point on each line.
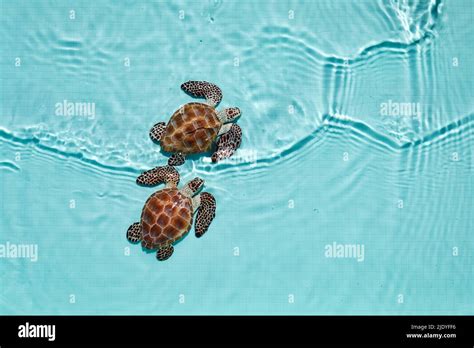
229	114
192	187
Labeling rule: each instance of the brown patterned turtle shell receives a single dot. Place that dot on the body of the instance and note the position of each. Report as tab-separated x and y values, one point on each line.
166	217
192	129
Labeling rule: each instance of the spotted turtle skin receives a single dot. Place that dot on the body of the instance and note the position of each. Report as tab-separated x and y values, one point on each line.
192	129
166	217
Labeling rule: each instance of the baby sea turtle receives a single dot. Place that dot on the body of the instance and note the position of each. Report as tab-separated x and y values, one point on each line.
167	215
194	127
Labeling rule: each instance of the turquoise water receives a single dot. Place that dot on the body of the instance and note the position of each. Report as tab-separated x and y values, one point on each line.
358	130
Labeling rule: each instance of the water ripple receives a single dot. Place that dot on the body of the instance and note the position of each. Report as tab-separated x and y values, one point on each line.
9	165
333	125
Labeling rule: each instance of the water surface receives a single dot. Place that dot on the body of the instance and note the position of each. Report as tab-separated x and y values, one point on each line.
326	157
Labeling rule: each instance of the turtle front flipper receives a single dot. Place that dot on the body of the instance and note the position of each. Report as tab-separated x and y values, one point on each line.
176	159
210	91
159	175
228	143
206	205
164	252
157	131
134	233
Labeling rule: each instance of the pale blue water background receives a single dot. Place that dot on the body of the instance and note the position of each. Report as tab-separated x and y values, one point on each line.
319	163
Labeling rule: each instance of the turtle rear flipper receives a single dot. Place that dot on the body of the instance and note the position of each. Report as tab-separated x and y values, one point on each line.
159	175
134	233
210	91
164	252
157	131
176	159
